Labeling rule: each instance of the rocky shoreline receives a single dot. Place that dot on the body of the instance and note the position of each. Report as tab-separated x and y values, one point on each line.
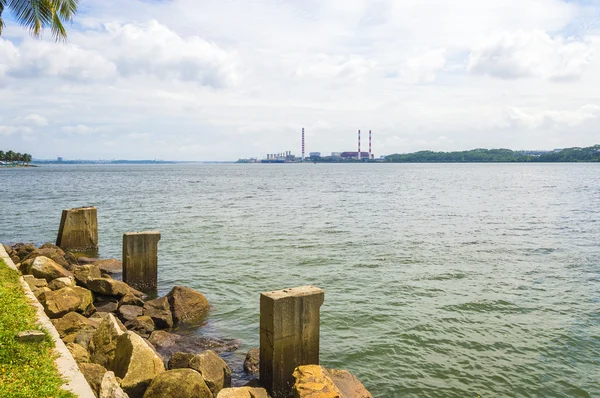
129	345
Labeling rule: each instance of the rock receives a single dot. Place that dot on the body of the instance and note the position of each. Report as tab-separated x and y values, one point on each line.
348	384
94	374
136	363
35	283
84	338
104	341
142	325
43	267
107	287
187	305
129	312
59	302
109	387
87	301
160	312
130	299
161	339
23	251
55	255
38	292
73	323
106	304
83	273
243	392
252	361
59	283
30	336
110	265
213	369
180	360
313	381
178	383
79	353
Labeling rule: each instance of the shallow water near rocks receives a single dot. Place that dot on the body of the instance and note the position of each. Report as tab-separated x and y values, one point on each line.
451	280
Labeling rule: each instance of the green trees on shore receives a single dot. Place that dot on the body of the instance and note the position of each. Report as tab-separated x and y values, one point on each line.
15	157
589	154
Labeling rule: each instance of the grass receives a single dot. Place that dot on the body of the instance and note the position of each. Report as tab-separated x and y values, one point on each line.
26	369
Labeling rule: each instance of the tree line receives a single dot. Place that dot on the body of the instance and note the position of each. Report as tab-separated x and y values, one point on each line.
589	154
14	157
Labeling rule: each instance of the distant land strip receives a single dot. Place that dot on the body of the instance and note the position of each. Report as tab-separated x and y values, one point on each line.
588	154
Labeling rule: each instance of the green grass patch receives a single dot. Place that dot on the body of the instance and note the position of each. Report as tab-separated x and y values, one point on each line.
26	369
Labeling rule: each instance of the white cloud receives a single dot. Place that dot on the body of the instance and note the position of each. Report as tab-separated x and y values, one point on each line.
34	119
423	68
9	130
79	129
552	118
530	54
323	66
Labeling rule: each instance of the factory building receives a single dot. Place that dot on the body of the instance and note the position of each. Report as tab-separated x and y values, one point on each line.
354	155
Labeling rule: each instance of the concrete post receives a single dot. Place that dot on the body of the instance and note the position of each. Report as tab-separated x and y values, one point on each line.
289	335
78	229
140	260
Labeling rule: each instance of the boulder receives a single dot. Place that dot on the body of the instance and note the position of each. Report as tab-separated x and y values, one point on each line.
107	287
316	381
129	312
243	392
136	364
23	251
104	341
59	283
187	305
83	273
109	387
70	257
79	353
130	299
109	266
106	304
46	268
94	374
38	292
180	360
87	301
59	302
73	323
348	384
161	339
160	312
35	283
84	338
252	361
178	383
142	325
55	255
313	381
213	369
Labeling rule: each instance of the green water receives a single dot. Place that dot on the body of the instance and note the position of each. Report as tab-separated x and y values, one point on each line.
452	280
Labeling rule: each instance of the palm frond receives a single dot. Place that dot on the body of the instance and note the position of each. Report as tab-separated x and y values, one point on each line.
2	5
32	14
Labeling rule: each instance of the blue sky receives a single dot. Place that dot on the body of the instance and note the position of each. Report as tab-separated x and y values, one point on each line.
219	80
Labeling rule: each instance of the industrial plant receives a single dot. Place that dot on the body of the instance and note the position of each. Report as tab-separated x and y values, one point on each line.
289	157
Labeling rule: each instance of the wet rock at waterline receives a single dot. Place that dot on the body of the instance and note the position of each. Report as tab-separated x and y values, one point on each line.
187	305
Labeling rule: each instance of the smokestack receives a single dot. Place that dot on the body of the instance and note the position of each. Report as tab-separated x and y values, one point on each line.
303	143
370	156
358	144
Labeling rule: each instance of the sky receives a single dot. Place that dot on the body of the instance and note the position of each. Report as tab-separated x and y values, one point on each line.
228	79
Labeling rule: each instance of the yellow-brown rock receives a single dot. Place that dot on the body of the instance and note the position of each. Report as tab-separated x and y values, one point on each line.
313	381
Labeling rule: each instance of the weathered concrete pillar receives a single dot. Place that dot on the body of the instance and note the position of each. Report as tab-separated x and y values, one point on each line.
140	260
289	335
78	229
